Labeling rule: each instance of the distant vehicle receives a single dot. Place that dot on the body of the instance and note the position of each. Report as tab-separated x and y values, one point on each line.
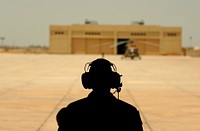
131	52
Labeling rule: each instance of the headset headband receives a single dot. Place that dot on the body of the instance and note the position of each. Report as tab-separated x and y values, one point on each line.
89	64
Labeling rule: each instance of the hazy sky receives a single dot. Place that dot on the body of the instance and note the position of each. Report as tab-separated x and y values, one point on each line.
26	22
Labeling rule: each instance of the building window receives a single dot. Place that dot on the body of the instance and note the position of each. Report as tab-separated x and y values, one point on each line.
92	33
171	34
138	34
59	33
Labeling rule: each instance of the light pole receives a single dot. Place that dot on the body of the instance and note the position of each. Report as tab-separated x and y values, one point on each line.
2	39
191	41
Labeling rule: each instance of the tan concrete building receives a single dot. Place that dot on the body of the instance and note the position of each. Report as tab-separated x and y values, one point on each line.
96	39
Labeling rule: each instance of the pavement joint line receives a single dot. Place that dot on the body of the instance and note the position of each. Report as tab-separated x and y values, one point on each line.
13	88
186	91
179	88
175	86
141	112
22	85
56	106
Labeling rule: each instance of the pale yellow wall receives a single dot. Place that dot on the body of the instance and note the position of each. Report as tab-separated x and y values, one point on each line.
171	41
60	40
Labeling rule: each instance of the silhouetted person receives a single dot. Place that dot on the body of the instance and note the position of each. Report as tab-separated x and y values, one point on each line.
100	110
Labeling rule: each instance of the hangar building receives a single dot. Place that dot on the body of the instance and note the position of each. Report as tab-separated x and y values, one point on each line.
93	38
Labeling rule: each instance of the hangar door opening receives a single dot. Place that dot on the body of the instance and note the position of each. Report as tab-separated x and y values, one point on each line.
121	48
92	46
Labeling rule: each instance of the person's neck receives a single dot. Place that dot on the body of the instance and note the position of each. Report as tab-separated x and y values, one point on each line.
101	91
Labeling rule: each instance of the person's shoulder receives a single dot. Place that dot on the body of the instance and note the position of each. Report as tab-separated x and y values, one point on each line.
75	104
127	105
71	106
78	102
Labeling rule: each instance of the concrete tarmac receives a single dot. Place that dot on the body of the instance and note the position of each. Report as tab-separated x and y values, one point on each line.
33	88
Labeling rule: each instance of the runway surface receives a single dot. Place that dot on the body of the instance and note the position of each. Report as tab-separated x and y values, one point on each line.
33	88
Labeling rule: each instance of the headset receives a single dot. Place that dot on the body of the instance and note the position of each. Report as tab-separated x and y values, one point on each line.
101	73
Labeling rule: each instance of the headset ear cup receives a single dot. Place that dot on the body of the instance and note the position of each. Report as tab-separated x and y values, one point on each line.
85	78
115	80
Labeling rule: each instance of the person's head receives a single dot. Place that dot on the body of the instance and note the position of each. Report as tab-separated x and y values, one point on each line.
101	74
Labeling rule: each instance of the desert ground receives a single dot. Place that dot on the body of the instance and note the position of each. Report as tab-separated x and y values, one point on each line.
34	87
